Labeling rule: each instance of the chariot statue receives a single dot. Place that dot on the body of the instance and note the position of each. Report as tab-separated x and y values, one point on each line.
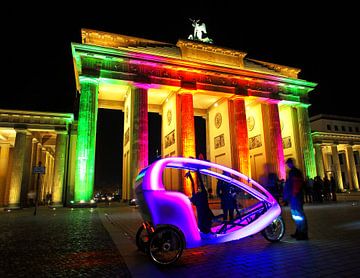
200	33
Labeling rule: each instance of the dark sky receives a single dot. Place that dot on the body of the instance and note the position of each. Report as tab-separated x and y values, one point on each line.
318	39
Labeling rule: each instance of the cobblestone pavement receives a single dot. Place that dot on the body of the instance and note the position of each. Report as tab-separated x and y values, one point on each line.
332	251
57	243
73	243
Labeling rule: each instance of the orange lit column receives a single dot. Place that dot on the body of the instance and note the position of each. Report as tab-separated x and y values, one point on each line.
187	132
139	134
337	166
239	135
4	162
273	139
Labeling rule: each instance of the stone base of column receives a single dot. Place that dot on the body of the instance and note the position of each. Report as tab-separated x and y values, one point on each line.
12	207
56	205
82	205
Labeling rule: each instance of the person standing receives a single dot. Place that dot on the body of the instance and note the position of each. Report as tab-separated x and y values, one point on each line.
228	199
293	193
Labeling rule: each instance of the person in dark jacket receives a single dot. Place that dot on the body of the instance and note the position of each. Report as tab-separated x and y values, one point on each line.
227	195
293	193
201	202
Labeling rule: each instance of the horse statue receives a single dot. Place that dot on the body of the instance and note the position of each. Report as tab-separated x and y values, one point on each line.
199	31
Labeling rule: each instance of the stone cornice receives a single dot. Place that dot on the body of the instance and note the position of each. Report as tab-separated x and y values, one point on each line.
285	70
208	53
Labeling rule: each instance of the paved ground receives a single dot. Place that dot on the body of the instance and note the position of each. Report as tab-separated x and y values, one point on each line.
74	243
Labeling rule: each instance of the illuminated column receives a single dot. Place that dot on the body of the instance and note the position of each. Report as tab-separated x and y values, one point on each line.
337	168
239	135
351	168
19	169
319	160
86	140
187	132
33	163
306	142
272	135
42	184
138	134
4	162
59	167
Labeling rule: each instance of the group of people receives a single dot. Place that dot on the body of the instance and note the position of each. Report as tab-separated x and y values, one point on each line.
319	190
293	194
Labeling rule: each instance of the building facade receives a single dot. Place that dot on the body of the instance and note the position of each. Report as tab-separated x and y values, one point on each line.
27	138
337	147
255	111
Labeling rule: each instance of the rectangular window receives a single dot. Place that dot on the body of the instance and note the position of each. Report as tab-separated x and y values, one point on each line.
356	157
350	128
356	129
342	128
336	128
341	158
328	127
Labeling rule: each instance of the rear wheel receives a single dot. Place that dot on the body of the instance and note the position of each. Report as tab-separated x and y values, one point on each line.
166	245
275	231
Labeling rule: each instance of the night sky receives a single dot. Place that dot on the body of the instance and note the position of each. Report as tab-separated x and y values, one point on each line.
37	62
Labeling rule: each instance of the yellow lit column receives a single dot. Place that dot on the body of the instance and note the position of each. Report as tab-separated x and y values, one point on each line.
187	128
319	160
337	168
135	138
4	162
42	184
306	142
33	163
59	171
239	136
18	176
351	168
273	139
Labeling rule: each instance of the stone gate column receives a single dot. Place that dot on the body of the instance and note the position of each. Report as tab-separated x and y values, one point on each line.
351	168
239	136
86	140
4	162
18	168
337	168
187	136
135	144
319	160
59	171
272	135
306	142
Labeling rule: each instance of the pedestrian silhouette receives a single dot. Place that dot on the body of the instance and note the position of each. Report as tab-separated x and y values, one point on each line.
227	195
201	202
293	193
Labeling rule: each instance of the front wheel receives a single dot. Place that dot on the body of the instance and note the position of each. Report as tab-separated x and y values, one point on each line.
166	245
275	231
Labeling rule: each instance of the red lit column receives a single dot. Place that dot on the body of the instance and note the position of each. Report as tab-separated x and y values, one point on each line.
187	131
239	135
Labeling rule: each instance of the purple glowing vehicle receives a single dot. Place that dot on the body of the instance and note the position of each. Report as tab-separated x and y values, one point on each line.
170	222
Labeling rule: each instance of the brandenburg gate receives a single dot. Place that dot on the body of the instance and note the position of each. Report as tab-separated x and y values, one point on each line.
256	112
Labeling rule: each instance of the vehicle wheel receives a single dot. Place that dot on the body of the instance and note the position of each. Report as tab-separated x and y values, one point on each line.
166	245
142	239
275	231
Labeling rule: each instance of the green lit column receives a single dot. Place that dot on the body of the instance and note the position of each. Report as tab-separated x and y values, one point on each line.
306	141
86	140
